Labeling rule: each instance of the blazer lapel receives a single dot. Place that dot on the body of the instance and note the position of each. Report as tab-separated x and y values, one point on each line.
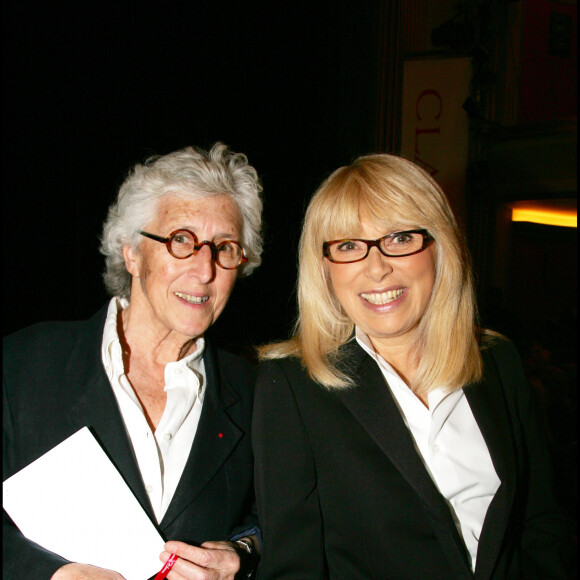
487	403
97	408
372	404
216	437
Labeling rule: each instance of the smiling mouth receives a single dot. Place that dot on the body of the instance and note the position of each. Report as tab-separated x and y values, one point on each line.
381	298
192	299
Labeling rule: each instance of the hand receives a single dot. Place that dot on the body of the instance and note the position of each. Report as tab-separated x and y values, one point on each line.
211	561
85	572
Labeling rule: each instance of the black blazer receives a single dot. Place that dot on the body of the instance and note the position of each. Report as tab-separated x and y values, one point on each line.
343	494
54	384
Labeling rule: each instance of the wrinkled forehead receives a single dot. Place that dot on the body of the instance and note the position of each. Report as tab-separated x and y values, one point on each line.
184	209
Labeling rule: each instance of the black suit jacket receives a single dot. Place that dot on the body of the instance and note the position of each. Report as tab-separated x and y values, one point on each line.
55	383
343	494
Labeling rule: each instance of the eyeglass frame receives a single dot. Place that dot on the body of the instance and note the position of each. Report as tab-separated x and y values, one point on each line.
196	246
427	240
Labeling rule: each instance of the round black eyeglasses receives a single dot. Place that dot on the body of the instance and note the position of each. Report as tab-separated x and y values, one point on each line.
182	244
396	245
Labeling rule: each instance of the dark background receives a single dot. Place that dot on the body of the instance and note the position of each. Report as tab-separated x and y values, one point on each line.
93	87
90	88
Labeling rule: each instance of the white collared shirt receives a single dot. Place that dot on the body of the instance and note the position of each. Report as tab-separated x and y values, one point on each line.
162	455
451	446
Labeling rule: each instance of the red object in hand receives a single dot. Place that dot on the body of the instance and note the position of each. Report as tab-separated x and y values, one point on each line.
166	567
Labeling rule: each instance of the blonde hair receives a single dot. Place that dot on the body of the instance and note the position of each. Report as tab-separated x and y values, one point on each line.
391	192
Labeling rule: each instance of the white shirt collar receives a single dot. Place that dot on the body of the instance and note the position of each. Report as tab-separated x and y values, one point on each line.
434	397
113	358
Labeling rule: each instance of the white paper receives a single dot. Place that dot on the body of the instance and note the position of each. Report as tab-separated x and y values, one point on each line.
74	502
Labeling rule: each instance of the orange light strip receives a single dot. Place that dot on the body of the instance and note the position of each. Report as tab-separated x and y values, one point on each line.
546	217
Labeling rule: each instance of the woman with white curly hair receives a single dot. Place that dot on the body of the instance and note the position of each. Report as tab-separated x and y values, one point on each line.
171	410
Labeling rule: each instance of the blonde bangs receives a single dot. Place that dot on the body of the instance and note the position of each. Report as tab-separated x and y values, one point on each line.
355	200
344	195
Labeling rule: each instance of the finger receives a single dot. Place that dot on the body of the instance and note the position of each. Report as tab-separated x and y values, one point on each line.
185	570
199	556
173	575
219	546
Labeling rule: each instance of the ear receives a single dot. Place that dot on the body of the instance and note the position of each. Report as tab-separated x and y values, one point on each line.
132	261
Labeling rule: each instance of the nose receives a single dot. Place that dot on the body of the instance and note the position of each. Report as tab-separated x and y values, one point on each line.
377	265
202	265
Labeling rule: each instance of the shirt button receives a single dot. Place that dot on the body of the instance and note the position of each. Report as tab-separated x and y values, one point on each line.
177	372
167	436
149	488
435	448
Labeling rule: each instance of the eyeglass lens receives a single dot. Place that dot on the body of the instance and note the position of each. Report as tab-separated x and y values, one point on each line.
398	244
227	254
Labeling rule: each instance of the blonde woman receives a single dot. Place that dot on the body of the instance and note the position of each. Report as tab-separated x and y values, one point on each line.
392	438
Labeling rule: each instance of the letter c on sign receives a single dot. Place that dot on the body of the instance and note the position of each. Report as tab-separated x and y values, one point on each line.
424	94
